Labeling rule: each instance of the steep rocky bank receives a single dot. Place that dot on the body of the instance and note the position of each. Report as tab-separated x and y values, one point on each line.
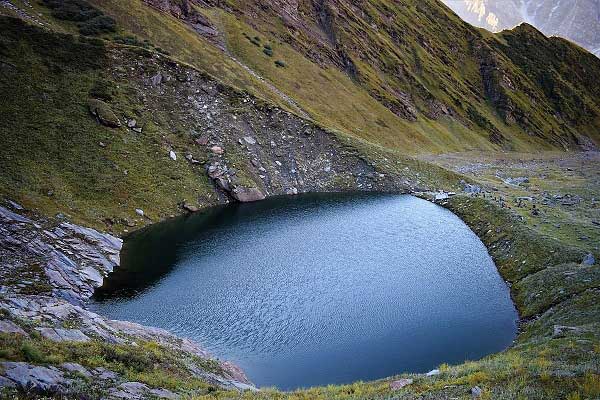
49	269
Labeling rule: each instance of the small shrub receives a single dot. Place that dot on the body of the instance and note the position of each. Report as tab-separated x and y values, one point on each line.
131	358
280	64
90	20
72	10
103	90
32	353
98	25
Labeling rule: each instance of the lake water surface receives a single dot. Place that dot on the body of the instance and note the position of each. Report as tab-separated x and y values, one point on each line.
318	289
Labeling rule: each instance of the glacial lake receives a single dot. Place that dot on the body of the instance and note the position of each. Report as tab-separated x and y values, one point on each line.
318	289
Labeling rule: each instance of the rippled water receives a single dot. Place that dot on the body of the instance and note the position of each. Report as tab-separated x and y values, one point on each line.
318	289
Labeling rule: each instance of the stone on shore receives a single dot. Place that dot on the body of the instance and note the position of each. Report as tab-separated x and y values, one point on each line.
400	383
247	195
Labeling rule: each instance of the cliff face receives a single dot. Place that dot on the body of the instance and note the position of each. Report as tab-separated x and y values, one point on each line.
577	21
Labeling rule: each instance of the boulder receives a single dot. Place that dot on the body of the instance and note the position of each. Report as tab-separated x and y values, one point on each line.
63	335
139	212
156	79
7	326
137	390
433	372
172	155
468	188
476	391
35	378
589	259
189	207
75	368
441	196
103	113
562	330
247	195
516	181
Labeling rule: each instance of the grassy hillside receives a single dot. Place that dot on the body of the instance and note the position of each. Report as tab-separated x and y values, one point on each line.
406	75
431	70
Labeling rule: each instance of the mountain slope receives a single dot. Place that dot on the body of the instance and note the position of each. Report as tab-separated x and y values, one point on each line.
407	75
578	21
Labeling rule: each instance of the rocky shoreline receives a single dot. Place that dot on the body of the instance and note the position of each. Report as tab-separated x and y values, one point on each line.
49	301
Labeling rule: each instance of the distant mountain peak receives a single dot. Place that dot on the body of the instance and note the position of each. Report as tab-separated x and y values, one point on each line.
577	21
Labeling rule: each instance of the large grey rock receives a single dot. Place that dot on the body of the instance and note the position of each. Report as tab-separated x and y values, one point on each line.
10	327
156	79
516	181
247	195
63	335
441	196
400	383
36	378
562	330
74	259
75	368
217	150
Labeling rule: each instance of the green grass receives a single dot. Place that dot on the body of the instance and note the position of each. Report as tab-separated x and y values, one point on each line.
52	159
147	362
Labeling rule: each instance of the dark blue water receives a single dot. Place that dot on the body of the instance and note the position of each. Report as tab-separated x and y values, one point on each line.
318	289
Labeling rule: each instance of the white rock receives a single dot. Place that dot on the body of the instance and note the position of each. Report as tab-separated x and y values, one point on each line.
139	212
217	150
441	196
172	155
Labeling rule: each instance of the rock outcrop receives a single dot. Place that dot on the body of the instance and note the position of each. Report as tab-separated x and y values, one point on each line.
49	269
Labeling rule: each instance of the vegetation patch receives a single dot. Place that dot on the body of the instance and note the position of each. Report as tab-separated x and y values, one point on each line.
90	20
